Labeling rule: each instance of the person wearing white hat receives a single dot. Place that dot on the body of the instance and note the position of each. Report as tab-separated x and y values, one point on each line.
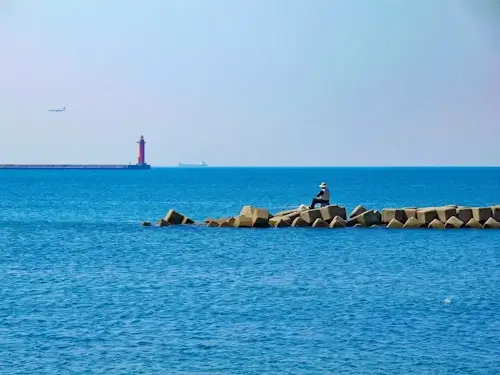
323	197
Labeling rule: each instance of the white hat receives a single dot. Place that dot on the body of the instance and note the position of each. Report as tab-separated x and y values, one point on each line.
323	184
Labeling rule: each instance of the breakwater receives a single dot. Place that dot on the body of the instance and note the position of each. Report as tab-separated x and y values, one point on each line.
335	216
75	166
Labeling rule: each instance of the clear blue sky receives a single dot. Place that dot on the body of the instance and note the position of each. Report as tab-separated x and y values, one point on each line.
260	82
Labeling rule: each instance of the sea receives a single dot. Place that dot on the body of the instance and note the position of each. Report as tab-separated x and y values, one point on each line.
84	289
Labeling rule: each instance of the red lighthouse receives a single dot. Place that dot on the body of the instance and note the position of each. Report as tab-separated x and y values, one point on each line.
141	160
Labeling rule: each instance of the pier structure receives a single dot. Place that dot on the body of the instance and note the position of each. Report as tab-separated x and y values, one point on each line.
141	163
335	216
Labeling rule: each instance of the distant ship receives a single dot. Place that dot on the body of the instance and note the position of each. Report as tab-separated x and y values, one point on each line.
201	164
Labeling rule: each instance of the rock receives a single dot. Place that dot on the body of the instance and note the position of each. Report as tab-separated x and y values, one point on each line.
338	222
242	222
175	218
213	223
329	212
357	211
454	222
366	219
495	213
320	223
395	223
162	223
464	214
393	213
226	224
146	224
413	222
358	225
444	213
426	215
481	214
299	222
209	219
473	223
437	224
310	216
279	222
491	224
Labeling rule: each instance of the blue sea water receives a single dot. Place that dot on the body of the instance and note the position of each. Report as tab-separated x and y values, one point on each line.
85	290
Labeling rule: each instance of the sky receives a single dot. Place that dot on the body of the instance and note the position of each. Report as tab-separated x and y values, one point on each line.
251	82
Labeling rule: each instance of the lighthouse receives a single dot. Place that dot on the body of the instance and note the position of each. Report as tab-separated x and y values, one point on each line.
141	160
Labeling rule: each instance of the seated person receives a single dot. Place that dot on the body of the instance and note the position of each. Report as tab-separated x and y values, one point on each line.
323	197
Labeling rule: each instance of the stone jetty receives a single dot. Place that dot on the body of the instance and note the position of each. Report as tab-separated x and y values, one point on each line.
335	216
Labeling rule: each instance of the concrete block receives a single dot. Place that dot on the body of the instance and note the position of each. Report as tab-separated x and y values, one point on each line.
464	214
292	215
426	215
212	224
285	212
187	220
249	211
473	223
410	212
260	218
394	223
329	212
444	213
299	222
481	214
366	219
454	222
495	213
320	223
173	217
338	222
413	222
436	224
310	215
163	223
275	219
491	224
357	211
242	222
393	213
279	222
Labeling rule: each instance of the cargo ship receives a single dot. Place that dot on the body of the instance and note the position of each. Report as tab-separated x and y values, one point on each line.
141	163
201	164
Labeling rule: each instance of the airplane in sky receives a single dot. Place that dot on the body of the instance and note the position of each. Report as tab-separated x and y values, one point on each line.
57	110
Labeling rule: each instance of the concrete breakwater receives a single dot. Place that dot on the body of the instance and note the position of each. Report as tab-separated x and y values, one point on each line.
335	216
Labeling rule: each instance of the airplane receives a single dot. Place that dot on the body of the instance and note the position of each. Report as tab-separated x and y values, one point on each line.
57	110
